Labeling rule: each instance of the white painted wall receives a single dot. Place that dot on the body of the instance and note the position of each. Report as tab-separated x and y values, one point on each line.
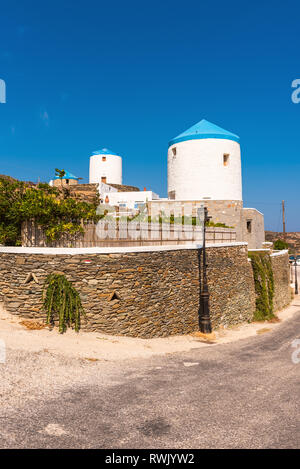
111	169
105	188
129	198
197	171
108	250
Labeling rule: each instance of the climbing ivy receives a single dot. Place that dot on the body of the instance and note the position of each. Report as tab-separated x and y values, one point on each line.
52	209
61	300
264	285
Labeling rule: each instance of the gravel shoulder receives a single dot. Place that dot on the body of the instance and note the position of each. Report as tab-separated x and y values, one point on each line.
179	393
97	346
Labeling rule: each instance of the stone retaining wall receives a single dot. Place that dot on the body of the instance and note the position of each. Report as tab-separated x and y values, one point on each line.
146	293
281	272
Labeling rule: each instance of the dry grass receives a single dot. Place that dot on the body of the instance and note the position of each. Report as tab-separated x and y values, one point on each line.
274	319
263	331
234	327
207	338
33	325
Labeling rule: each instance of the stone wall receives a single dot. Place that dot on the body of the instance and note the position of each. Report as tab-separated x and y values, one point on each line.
144	292
125	188
85	192
253	228
229	212
65	182
281	272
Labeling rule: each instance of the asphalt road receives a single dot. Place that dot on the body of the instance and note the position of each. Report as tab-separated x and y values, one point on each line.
240	395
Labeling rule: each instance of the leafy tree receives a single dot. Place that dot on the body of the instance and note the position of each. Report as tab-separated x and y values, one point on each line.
43	204
60	173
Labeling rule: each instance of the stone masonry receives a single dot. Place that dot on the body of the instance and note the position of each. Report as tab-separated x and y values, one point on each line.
281	272
229	212
146	293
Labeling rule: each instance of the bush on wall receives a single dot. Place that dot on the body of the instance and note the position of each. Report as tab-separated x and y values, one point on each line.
264	285
62	301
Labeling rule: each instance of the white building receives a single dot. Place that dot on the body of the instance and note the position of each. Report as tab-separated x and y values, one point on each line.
105	167
204	162
129	200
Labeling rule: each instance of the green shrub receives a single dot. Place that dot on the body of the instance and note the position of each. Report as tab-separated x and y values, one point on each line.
280	244
55	212
264	285
218	224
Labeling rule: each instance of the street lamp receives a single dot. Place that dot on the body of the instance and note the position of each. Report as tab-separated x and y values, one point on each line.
296	277
204	315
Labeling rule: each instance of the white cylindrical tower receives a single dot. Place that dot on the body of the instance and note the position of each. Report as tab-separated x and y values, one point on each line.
205	163
106	167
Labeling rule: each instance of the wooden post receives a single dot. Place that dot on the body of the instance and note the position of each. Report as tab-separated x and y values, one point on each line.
283	220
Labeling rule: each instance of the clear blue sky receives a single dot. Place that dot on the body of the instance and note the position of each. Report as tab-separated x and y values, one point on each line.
131	75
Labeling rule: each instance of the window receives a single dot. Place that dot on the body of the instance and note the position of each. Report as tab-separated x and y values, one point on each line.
174	151
103	179
67	181
172	195
249	226
226	159
103	158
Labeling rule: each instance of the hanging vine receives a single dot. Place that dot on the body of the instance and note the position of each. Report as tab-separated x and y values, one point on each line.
264	285
62	301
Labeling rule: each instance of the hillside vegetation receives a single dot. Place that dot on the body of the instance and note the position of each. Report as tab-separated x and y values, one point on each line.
292	239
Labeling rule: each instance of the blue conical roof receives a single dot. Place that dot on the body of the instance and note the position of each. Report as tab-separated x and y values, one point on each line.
67	175
204	129
104	151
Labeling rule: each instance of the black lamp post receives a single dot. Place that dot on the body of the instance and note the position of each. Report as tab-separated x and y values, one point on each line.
296	278
204	316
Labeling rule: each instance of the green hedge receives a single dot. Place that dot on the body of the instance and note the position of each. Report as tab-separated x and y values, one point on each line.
264	285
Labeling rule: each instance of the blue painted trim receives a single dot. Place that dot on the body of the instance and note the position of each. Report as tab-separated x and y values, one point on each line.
202	136
104	151
67	176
